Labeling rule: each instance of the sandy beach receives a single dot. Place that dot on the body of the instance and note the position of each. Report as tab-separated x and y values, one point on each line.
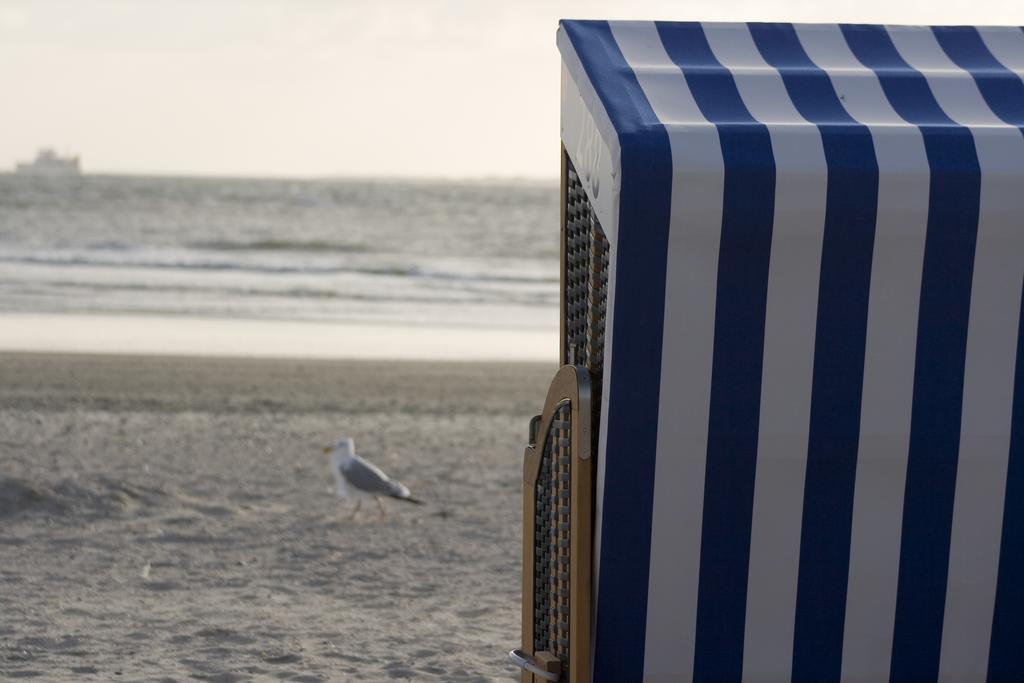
171	519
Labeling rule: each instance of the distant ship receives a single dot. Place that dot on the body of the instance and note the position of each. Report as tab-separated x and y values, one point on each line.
48	163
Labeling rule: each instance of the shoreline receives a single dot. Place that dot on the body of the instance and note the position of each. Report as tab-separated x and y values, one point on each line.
156	335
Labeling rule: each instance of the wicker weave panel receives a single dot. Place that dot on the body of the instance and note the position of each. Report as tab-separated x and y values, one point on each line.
552	541
585	301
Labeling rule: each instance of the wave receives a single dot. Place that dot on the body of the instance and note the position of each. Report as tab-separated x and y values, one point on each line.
315	246
421	295
101	260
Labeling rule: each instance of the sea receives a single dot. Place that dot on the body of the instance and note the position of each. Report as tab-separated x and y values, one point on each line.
406	253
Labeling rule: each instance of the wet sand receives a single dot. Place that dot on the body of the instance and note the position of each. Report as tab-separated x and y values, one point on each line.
165	335
171	519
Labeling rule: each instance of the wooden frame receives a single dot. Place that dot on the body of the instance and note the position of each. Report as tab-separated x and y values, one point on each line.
571	386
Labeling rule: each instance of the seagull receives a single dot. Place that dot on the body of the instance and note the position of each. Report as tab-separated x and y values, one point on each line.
360	478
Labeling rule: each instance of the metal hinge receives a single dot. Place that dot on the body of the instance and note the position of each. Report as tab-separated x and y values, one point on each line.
543	664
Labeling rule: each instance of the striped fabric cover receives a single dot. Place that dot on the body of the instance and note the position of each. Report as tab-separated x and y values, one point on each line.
811	463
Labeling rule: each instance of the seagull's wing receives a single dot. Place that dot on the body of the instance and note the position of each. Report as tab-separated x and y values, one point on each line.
367	477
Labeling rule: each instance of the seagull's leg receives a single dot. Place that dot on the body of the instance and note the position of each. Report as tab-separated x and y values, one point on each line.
359	502
380	506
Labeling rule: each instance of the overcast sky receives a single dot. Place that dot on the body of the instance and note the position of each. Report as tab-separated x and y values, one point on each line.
454	88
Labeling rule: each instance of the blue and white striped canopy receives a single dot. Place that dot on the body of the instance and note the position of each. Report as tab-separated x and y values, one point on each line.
811	459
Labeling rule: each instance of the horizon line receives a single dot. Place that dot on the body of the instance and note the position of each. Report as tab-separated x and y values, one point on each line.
410	178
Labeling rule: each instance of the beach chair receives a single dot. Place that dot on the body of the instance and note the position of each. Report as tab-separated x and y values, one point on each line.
787	438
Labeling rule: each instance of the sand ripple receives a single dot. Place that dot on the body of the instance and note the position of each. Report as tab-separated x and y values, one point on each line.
73	497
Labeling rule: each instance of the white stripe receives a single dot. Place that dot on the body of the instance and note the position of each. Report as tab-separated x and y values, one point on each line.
590	139
688	341
583	112
602	429
1007	45
890	348
991	354
789	335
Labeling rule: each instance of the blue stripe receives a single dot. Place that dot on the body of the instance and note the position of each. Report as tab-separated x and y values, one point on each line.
1002	89
1005	655
848	242
1004	94
642	248
952	230
748	209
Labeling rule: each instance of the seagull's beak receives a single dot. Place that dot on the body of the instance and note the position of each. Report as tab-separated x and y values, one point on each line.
327	449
